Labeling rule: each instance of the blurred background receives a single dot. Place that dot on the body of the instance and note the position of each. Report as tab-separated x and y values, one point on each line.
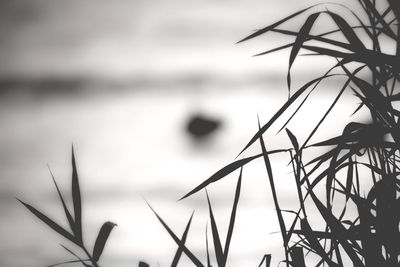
128	82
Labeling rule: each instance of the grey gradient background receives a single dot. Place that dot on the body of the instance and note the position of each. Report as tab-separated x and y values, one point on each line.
119	79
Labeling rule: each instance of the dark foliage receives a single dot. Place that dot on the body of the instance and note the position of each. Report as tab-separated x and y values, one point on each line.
74	234
359	229
357	172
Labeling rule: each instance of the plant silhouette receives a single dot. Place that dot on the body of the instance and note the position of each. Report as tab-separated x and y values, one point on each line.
357	172
75	233
359	229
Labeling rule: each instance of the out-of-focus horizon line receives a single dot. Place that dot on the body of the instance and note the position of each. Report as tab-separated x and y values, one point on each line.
192	81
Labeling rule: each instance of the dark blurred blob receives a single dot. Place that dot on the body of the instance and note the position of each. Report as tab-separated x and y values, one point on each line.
200	126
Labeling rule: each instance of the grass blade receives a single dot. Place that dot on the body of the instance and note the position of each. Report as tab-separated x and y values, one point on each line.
49	222
386	29
267	260
69	262
227	170
293	140
76	256
349	177
287	104
179	251
66	211
233	217
219	254
326	113
76	198
188	253
337	229
301	38
311	237
101	240
207	250
348	32
274	195
276	24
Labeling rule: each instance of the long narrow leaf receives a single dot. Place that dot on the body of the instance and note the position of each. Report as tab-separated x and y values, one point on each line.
274	194
301	38
337	228
69	262
267	260
276	24
49	222
233	217
66	211
348	32
179	251
285	106
83	261
76	198
188	253
101	240
227	170
207	250
219	254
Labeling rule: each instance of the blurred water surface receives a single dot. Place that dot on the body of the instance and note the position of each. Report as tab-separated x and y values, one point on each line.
119	80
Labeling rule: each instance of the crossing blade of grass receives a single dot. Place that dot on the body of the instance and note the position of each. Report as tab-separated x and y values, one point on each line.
297	173
371	92
179	251
179	242
301	38
101	240
324	173
349	177
291	229
219	254
293	140
348	32
318	37
267	260
274	195
330	179
387	30
227	170
233	217
66	211
49	222
328	111
308	94
337	229
69	262
285	106
351	133
371	58
222	173
76	198
276	24
273	50
314	244
76	256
